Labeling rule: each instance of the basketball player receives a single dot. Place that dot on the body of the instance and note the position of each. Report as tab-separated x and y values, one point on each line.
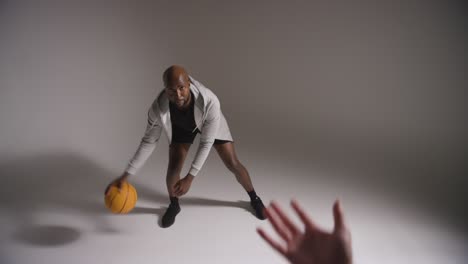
184	109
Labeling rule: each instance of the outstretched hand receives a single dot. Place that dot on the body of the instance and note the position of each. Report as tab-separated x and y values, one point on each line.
313	245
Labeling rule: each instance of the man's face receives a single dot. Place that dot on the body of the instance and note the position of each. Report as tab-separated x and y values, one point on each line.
178	92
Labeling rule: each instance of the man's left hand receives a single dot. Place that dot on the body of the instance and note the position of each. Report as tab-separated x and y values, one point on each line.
183	185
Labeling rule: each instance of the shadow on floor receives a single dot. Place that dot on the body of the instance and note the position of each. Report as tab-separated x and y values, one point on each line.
49	236
60	183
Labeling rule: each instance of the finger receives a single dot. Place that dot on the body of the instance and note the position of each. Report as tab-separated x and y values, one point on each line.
309	224
180	192
338	216
285	219
177	188
107	189
281	249
112	184
277	224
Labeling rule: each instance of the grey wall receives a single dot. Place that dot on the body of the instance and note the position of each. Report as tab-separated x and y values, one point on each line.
373	88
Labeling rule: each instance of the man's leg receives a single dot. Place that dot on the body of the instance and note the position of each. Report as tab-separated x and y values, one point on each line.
177	154
228	155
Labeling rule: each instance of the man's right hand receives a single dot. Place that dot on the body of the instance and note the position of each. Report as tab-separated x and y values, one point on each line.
117	182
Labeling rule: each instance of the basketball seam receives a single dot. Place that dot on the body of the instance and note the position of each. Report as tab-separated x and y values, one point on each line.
126	198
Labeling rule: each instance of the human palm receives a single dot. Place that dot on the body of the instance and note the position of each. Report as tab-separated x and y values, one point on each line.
312	245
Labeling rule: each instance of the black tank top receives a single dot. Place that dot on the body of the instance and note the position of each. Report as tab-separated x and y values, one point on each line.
183	119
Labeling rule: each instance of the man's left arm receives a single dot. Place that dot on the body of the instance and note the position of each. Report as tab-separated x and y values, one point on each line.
208	136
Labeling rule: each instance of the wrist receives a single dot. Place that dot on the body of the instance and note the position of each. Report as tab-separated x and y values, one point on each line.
125	175
190	177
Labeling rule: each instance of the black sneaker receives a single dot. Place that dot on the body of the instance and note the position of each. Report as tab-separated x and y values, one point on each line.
258	207
169	217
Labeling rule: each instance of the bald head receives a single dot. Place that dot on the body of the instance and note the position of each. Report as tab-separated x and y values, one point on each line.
174	75
177	86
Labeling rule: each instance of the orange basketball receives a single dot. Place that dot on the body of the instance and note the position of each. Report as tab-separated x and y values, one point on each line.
121	201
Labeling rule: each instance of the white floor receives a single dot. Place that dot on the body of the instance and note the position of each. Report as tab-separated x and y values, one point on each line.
58	216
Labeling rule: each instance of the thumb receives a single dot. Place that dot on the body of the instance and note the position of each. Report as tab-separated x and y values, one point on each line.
338	216
107	189
119	185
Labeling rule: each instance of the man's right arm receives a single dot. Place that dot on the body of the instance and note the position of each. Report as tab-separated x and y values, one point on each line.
147	144
146	147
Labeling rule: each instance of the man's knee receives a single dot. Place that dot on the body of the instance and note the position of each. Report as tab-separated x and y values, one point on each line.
177	157
234	165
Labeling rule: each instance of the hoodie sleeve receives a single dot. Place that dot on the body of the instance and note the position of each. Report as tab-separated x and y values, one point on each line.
147	144
208	135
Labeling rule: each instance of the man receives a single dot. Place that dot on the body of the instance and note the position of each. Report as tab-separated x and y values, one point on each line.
183	109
